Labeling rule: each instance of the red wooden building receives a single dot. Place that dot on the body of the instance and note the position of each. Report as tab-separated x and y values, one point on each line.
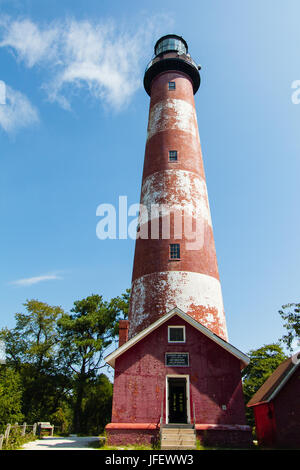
276	407
177	371
174	365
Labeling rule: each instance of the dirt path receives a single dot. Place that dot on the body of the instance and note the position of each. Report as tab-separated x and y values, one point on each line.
60	443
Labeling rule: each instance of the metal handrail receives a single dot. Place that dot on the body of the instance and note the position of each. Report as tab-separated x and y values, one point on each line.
183	57
162	413
194	414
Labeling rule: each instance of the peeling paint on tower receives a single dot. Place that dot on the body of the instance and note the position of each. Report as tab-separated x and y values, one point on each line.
172	114
197	294
178	190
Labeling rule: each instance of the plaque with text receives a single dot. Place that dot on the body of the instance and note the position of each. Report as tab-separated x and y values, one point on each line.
177	359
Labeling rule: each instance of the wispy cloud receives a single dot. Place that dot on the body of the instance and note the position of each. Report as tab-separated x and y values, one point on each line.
30	43
17	111
35	280
102	57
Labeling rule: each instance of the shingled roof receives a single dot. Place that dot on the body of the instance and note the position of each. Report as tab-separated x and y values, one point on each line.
276	381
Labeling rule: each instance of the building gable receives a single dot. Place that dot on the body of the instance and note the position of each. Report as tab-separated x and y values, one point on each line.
176	312
272	386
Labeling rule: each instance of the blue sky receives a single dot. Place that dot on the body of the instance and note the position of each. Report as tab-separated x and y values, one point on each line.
74	138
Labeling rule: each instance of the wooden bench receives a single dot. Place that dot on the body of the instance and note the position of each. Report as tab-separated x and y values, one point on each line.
45	427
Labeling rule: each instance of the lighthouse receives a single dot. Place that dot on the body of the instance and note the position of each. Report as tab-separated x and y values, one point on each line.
174	367
180	270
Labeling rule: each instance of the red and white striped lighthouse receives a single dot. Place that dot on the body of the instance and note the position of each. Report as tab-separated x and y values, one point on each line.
174	366
172	271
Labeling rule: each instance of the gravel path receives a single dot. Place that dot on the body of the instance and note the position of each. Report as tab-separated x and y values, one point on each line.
61	443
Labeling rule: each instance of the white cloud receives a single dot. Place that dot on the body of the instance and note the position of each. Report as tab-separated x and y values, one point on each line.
31	44
101	57
35	280
17	112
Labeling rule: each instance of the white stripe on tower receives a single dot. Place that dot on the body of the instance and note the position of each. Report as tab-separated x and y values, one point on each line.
177	190
172	114
199	295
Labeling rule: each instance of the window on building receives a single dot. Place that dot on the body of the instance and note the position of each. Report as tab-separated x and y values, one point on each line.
176	334
175	251
172	85
173	155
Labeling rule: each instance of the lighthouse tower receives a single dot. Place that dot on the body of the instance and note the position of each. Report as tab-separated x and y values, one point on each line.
179	269
174	365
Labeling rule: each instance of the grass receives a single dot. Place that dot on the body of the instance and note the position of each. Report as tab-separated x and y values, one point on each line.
129	447
100	445
16	441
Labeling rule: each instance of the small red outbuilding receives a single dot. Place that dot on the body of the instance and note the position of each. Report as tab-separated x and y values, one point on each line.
276	406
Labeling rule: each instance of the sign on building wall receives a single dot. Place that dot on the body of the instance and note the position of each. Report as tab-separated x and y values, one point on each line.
177	359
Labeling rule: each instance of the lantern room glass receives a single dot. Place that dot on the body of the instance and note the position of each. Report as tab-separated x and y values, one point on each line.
170	44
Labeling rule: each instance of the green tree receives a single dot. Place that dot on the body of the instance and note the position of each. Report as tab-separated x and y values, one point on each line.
58	356
97	405
10	396
290	314
32	350
85	336
62	418
34	338
263	362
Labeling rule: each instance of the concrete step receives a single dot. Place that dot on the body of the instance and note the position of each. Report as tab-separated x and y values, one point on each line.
178	443
178	431
178	426
178	438
176	447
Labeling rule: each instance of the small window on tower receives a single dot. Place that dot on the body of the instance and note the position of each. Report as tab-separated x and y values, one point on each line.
176	334
173	155
172	85
174	251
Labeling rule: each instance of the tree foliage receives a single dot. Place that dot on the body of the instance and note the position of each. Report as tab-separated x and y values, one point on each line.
97	405
34	338
54	361
10	397
263	362
85	335
290	314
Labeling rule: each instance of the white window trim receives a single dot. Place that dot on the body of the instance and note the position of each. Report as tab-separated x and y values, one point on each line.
179	376
176	326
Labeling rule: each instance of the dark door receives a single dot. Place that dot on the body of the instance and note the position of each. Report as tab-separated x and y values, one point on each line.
177	400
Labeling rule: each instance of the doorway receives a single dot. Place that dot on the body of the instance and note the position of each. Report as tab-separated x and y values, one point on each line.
177	396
